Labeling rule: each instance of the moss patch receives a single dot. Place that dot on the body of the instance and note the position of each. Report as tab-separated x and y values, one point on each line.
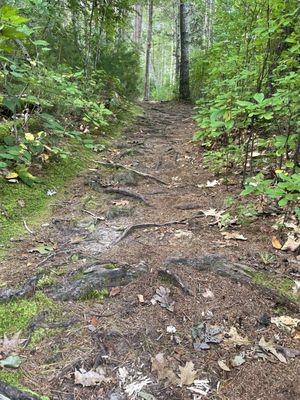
16	315
95	294
282	286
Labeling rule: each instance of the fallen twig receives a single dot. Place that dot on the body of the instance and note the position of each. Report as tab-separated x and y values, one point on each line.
176	280
27	228
94	215
127	193
143	174
133	228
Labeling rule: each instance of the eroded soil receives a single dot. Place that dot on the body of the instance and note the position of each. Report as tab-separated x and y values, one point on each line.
126	330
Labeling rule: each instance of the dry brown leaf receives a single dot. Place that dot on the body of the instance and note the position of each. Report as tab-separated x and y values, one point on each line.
90	378
21	203
115	291
233	236
223	366
160	367
141	298
12	344
187	374
291	244
276	243
233	337
270	348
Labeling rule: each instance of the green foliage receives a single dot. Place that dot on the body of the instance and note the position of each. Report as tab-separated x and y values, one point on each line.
248	110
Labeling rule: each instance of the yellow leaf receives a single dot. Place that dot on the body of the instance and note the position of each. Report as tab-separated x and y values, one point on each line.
12	175
29	136
275	243
33	63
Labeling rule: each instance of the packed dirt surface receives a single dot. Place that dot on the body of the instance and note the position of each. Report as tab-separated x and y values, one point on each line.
182	319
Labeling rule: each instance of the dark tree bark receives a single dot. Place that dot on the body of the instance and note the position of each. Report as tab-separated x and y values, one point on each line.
148	52
184	83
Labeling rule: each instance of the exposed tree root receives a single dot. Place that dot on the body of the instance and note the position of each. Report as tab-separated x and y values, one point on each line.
7	294
236	272
94	279
175	279
143	174
130	229
128	193
8	392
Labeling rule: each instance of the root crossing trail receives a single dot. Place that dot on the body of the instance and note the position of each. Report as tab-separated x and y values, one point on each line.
139	225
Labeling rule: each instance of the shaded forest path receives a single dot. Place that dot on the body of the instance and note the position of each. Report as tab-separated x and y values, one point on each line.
132	234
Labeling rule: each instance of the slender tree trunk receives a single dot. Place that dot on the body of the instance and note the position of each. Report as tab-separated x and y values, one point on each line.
184	84
148	52
138	22
177	41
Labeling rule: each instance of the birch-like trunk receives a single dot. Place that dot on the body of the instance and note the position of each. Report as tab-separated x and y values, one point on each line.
148	52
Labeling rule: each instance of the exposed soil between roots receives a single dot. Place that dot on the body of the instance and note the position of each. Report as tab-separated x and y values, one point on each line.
108	237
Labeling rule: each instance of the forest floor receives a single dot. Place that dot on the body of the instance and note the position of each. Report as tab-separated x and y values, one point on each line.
220	317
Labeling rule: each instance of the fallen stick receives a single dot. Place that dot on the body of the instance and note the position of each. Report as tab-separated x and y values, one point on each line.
27	229
133	228
128	193
8	392
143	174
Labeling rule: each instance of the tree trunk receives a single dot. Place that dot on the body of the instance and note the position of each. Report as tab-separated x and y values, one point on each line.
138	21
148	52
184	84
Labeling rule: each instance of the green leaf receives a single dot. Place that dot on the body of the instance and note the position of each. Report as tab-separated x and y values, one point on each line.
259	97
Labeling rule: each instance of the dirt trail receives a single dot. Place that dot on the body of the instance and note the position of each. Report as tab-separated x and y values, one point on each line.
88	230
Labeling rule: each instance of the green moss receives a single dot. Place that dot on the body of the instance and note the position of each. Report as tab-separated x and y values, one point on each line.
40	333
16	315
95	294
110	266
47	280
283	286
13	378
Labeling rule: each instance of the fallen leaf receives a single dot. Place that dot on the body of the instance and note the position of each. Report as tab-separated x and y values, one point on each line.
213	183
238	360
42	249
134	388
291	244
208	294
141	298
233	236
12	344
120	203
115	291
179	234
162	296
171	329
296	287
187	374
21	203
276	243
11	175
90	378
201	386
160	367
206	334
286	323
233	337
223	366
269	347
29	136
11	362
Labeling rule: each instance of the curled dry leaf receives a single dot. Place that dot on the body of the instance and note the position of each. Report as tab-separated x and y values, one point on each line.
162	297
213	183
291	244
269	347
233	236
115	291
187	374
223	366
233	337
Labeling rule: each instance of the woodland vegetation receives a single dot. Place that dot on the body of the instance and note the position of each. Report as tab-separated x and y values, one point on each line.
69	68
180	122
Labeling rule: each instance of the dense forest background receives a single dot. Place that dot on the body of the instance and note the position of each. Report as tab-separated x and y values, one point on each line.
70	68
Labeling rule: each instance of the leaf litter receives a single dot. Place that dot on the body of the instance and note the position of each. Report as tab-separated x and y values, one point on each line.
205	334
162	297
